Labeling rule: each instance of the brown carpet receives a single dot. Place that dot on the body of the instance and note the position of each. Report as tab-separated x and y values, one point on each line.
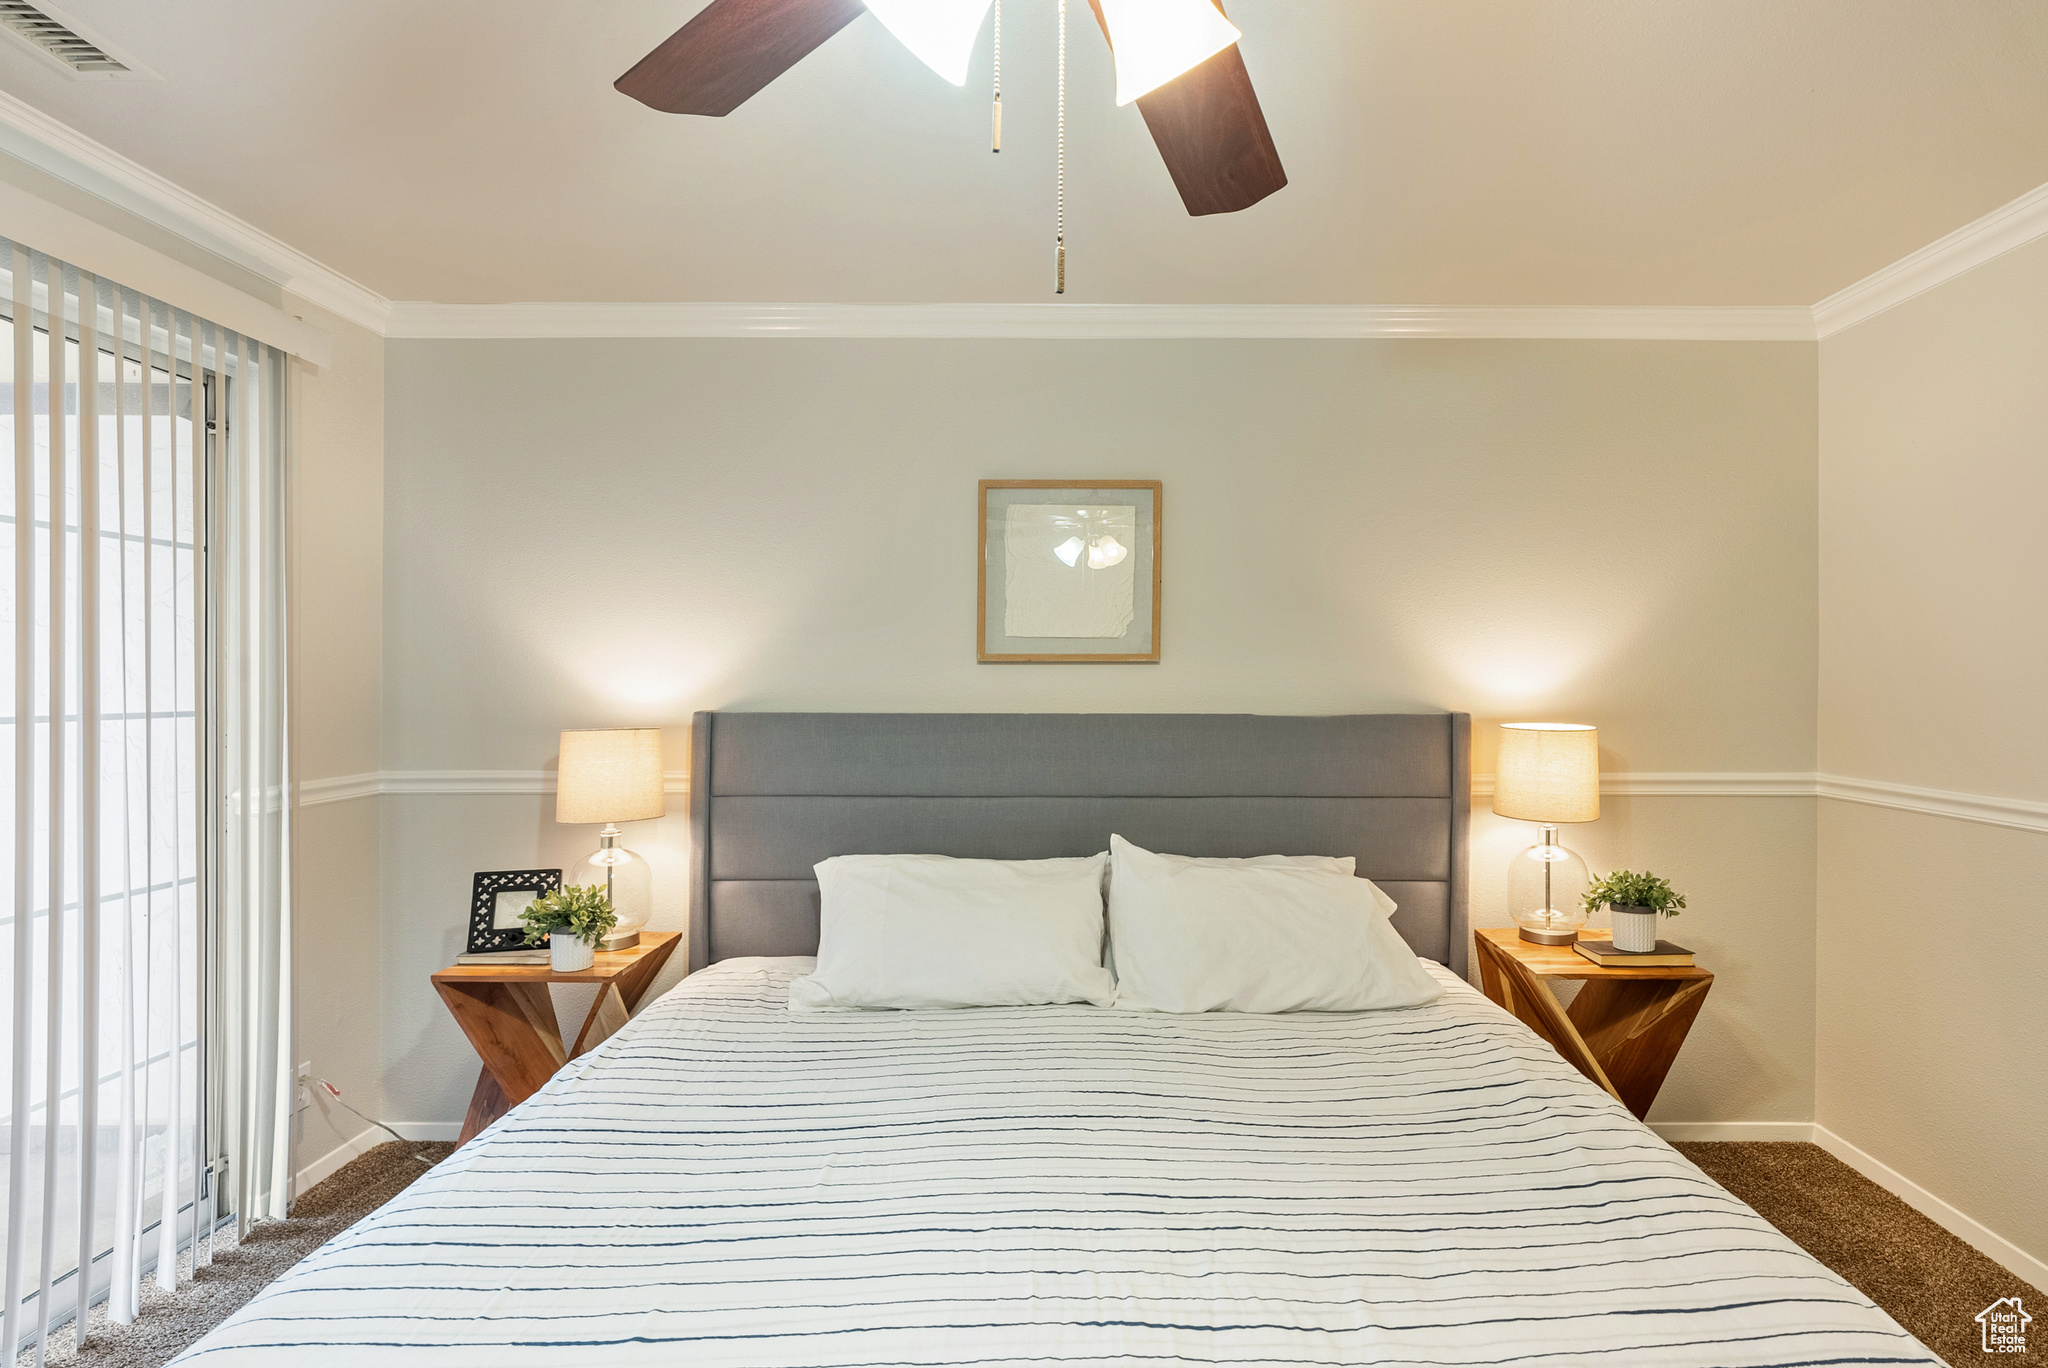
170	1323
1930	1281
1927	1279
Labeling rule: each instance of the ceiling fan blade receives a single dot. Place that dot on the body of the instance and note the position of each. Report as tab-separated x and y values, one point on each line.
720	59
1211	133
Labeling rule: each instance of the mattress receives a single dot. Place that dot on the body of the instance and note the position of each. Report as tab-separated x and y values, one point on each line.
726	1182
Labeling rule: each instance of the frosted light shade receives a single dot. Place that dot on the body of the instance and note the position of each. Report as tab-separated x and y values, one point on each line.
1106	551
610	775
1548	772
1157	40
940	33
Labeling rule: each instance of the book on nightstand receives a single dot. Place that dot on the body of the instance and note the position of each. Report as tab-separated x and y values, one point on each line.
1665	956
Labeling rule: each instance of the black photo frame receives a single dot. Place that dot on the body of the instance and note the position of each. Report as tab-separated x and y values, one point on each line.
486	935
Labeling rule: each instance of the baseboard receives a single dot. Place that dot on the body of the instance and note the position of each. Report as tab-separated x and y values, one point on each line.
1972	1232
323	1167
1733	1130
359	1145
425	1131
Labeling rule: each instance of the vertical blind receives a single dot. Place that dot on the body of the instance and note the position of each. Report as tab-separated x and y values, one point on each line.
146	1040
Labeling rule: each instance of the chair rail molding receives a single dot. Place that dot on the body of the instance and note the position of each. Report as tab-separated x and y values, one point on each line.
446	783
1655	784
2019	813
2023	814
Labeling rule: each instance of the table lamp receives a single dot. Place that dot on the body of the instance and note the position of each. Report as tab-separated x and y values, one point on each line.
613	775
1548	772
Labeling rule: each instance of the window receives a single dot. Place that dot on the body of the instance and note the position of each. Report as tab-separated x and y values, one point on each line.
143	606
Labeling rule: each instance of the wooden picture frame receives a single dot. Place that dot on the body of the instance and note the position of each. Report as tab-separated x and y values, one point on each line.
1143	632
487	934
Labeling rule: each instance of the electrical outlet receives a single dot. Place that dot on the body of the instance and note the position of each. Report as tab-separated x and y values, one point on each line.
305	1088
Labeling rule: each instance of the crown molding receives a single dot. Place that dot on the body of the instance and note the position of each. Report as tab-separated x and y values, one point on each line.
61	150
1793	323
94	248
2004	228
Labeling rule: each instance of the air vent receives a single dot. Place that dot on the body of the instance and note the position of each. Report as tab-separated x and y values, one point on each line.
59	40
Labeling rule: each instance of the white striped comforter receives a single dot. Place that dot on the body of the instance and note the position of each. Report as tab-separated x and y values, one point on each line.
726	1182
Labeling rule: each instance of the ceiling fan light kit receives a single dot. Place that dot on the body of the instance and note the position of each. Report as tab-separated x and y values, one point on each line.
1157	40
1177	59
939	33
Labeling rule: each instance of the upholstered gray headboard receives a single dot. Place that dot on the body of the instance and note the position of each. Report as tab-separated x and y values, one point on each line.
772	794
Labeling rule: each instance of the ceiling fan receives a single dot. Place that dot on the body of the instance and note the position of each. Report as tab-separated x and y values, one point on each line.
1177	59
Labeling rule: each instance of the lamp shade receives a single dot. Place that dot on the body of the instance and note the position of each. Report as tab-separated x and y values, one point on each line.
1157	40
610	775
1548	772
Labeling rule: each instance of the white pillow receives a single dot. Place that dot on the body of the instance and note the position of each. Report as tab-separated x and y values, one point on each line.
1335	864
931	931
1199	936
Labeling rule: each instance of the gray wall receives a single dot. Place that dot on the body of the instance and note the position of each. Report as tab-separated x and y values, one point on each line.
1933	1019
618	532
337	644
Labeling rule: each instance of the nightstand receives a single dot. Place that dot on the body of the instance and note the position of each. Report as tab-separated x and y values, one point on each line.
506	1012
1624	1027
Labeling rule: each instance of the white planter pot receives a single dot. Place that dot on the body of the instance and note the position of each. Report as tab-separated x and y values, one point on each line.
1635	930
568	955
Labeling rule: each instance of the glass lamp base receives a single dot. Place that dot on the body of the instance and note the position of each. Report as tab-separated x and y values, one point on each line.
625	879
1546	888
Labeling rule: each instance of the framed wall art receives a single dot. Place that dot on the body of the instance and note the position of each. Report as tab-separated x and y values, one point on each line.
496	902
1070	571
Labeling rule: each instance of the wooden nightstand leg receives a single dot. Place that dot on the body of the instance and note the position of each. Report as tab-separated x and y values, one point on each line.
607	1014
512	1026
1510	984
634	983
509	1016
615	1003
1491	982
1634	1027
486	1105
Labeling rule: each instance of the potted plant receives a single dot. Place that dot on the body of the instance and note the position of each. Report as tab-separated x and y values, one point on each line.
572	922
1636	899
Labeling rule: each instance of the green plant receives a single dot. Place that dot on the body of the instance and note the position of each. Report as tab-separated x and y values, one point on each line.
581	909
1623	888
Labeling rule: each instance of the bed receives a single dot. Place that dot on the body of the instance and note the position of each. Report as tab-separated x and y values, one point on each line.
726	1182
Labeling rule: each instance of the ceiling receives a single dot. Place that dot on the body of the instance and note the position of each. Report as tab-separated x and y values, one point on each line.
1441	152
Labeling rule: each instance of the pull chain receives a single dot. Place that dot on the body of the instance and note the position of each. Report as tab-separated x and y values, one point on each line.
1060	243
996	137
